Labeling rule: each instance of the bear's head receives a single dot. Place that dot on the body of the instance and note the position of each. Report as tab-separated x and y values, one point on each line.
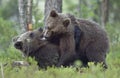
29	41
57	24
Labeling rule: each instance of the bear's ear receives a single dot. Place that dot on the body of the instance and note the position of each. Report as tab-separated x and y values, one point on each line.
53	13
66	22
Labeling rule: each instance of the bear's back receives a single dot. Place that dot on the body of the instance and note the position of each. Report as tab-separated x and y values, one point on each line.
92	33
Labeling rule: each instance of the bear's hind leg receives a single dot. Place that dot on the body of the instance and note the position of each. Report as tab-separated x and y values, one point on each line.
95	55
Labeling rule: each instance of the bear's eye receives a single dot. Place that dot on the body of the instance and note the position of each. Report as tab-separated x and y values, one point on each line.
31	35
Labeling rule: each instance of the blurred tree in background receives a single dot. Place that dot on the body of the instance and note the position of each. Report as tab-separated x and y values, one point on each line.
105	11
50	5
25	14
88	9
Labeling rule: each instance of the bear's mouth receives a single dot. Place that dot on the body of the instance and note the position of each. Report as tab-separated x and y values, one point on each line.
18	45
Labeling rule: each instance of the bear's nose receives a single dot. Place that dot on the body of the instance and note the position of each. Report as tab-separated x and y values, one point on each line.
18	45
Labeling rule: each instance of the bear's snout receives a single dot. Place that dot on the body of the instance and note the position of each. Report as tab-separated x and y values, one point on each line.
45	34
18	45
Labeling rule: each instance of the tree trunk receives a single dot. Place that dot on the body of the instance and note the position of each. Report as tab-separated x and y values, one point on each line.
21	8
105	11
29	14
52	4
25	14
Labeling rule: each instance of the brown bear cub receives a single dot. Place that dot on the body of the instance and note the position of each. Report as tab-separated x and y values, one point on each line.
92	41
30	43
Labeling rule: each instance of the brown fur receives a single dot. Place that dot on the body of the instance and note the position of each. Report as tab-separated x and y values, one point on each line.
59	25
94	42
30	43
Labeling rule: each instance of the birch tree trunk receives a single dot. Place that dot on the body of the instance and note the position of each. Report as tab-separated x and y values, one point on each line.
25	14
52	4
29	14
22	18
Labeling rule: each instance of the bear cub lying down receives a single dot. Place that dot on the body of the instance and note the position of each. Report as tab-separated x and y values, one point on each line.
44	52
31	44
